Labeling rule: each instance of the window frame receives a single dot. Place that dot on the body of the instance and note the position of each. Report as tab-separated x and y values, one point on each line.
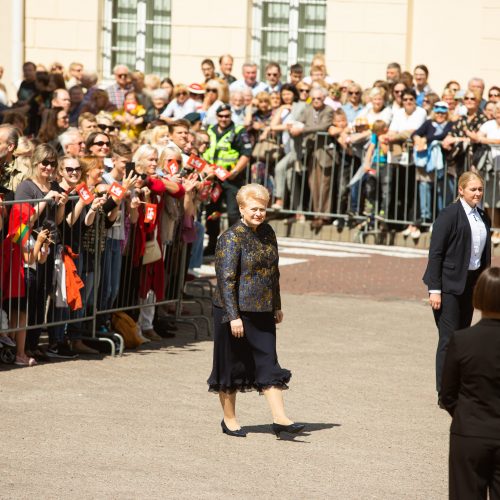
142	51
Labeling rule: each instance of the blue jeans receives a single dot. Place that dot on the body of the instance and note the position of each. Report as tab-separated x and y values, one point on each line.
196	259
425	198
111	264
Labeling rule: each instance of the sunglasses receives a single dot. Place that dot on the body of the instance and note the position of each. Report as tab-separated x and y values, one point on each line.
101	144
399	92
141	176
224	116
354	93
493	95
72	170
123	75
182	93
103	127
49	163
469	98
212	90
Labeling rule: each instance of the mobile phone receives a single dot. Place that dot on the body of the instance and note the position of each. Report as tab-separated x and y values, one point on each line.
129	167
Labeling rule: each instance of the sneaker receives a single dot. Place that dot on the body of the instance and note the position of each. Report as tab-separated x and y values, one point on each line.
61	351
77	346
6	340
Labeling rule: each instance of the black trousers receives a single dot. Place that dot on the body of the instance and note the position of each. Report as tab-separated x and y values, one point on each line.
474	468
229	191
455	314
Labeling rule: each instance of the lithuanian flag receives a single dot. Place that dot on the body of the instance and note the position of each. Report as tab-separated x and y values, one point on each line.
22	234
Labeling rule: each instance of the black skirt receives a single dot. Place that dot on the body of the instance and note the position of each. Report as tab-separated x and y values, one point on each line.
249	362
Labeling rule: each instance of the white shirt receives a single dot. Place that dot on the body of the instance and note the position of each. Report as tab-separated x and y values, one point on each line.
478	235
240	86
491	130
401	121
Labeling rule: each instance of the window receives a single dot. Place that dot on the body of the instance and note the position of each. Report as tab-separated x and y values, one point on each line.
288	31
137	33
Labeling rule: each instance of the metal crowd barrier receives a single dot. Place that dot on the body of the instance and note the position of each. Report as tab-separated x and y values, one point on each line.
317	182
32	292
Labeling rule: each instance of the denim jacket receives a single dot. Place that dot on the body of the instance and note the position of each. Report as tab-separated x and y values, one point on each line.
246	265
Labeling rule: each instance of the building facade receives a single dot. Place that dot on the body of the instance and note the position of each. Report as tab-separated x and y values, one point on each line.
455	39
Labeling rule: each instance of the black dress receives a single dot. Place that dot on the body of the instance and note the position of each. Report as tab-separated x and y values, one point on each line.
246	264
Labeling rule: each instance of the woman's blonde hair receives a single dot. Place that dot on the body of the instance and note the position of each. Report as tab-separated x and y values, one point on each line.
142	152
180	87
466	177
157	131
167	152
252	191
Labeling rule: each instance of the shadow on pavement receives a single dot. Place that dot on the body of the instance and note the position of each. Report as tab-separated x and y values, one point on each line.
310	427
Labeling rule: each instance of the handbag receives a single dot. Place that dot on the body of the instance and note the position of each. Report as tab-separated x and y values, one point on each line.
267	148
152	251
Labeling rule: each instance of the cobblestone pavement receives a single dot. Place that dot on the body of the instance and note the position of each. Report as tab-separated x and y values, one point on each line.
144	426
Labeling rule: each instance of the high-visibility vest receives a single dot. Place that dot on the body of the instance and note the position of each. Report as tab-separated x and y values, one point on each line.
221	152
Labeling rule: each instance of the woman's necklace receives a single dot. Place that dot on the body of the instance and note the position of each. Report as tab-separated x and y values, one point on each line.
41	186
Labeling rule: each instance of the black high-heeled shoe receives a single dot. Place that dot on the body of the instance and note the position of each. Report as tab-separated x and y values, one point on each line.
225	430
291	429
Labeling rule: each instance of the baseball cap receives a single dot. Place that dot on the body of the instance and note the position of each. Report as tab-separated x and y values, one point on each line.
440	107
223	107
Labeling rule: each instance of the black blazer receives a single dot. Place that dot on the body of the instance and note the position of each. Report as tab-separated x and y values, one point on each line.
470	389
449	253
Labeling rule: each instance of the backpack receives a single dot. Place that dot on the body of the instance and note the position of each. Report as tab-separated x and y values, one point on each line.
123	324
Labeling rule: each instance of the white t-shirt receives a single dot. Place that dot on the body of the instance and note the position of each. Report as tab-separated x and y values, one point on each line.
384	115
492	131
401	121
178	111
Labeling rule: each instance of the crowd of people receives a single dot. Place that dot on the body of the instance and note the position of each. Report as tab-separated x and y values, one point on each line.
118	174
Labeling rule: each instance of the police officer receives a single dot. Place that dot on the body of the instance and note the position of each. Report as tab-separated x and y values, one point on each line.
230	148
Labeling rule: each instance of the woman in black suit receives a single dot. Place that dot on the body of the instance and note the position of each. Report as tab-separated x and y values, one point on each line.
470	393
460	249
247	306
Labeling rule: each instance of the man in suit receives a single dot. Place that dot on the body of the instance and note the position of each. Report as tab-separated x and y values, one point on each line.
317	117
460	250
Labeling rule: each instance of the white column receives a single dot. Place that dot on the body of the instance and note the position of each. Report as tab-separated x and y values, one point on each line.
293	35
106	39
17	48
140	61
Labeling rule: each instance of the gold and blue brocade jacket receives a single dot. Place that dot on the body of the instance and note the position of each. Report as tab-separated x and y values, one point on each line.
246	265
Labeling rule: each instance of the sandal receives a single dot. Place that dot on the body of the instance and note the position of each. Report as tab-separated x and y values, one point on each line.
25	361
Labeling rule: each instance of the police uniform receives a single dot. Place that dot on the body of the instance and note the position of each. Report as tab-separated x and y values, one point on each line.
225	150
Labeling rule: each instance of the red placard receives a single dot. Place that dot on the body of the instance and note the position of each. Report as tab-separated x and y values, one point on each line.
150	213
173	167
221	173
216	192
196	163
117	190
84	193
